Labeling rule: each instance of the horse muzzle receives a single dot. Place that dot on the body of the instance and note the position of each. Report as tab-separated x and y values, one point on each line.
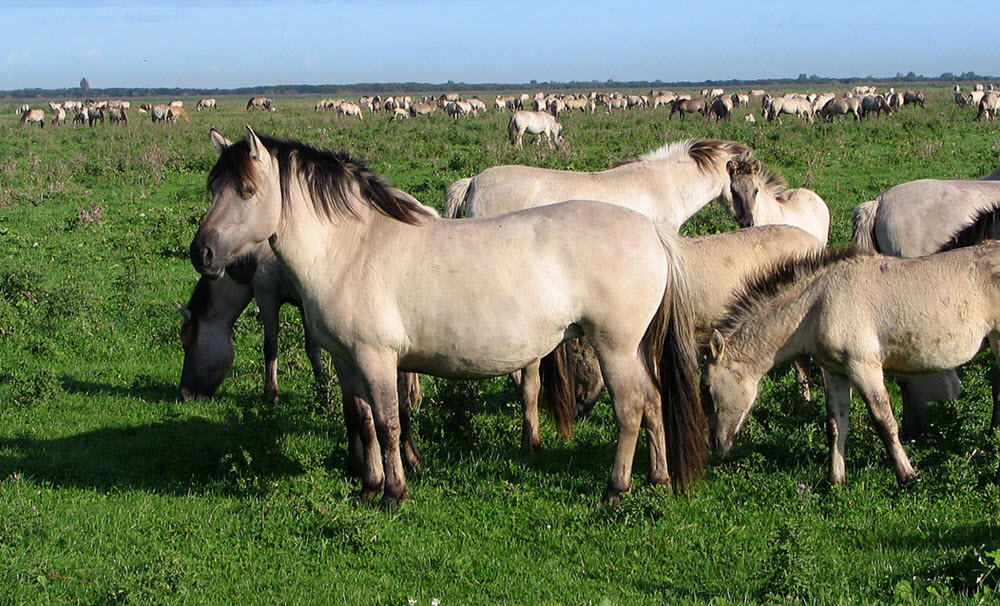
721	445
205	260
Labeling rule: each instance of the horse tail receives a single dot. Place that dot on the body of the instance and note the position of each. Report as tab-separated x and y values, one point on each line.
512	129
863	224
671	358
454	200
557	374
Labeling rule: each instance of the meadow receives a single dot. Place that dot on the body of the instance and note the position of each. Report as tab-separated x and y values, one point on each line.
113	491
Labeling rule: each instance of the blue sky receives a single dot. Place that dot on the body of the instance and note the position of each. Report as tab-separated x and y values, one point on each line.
52	44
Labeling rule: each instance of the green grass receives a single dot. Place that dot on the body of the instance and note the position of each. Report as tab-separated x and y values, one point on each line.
114	492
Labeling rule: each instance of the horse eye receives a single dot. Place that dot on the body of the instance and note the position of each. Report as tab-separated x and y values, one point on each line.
248	192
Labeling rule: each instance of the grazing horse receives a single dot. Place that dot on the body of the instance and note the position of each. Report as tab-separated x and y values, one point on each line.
423	109
760	198
542	124
668	184
33	116
875	104
207	333
385	286
687	106
988	107
912	97
261	103
206	104
858	316
841	106
350	109
722	108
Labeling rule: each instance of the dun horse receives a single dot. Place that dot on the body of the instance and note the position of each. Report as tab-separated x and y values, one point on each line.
207	331
919	218
760	198
385	286
668	184
858	317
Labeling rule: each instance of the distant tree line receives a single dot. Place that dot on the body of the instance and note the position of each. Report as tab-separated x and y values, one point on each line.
460	87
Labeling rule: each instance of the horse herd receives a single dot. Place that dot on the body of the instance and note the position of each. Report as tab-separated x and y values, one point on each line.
542	282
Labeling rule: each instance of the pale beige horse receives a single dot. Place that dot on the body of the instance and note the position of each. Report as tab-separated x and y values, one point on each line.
717	266
386	286
858	316
668	184
538	123
919	218
761	198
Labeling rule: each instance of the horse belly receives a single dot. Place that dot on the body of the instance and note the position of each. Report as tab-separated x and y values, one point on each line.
909	352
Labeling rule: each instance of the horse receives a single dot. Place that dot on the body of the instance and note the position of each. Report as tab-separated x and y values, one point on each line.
668	184
385	286
988	107
423	109
174	113
722	108
797	106
206	104
920	218
207	332
542	124
118	115
716	267
875	104
33	116
912	97
350	109
687	106
760	198
841	106
858	315
262	103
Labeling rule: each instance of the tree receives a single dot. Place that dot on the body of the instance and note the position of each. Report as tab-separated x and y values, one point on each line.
85	85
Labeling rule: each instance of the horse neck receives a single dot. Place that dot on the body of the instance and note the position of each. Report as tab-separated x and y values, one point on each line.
695	188
775	332
226	301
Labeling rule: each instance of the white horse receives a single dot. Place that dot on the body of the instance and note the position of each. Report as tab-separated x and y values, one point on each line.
540	123
206	104
668	184
385	286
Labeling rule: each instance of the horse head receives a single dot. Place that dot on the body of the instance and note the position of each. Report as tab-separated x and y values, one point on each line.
727	394
743	186
246	194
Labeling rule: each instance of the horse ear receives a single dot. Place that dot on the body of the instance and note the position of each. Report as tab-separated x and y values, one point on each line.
717	346
755	166
219	142
257	149
732	166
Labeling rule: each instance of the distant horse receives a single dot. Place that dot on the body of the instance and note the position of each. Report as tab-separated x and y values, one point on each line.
118	115
875	104
537	123
668	184
988	107
857	316
262	103
796	106
911	97
841	106
33	116
722	108
58	115
423	109
174	113
687	106
350	109
206	104
760	198
207	332
395	291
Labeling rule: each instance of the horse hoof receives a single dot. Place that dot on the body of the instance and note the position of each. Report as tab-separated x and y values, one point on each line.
369	494
659	480
910	481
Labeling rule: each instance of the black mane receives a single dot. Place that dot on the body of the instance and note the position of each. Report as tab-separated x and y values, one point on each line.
334	179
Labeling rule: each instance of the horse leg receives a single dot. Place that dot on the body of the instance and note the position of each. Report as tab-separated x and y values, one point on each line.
378	372
802	377
994	340
408	387
269	317
364	458
631	391
313	351
531	386
871	385
652	422
837	388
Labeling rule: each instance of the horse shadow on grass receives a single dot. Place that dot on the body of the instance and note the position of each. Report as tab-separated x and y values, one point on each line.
969	572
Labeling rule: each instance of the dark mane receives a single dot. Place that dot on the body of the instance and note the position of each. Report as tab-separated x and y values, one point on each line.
983	226
772	279
707	154
335	179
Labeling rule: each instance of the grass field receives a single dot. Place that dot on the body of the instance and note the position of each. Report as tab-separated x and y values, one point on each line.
114	492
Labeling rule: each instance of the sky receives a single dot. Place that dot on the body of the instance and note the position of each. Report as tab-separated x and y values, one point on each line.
228	44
